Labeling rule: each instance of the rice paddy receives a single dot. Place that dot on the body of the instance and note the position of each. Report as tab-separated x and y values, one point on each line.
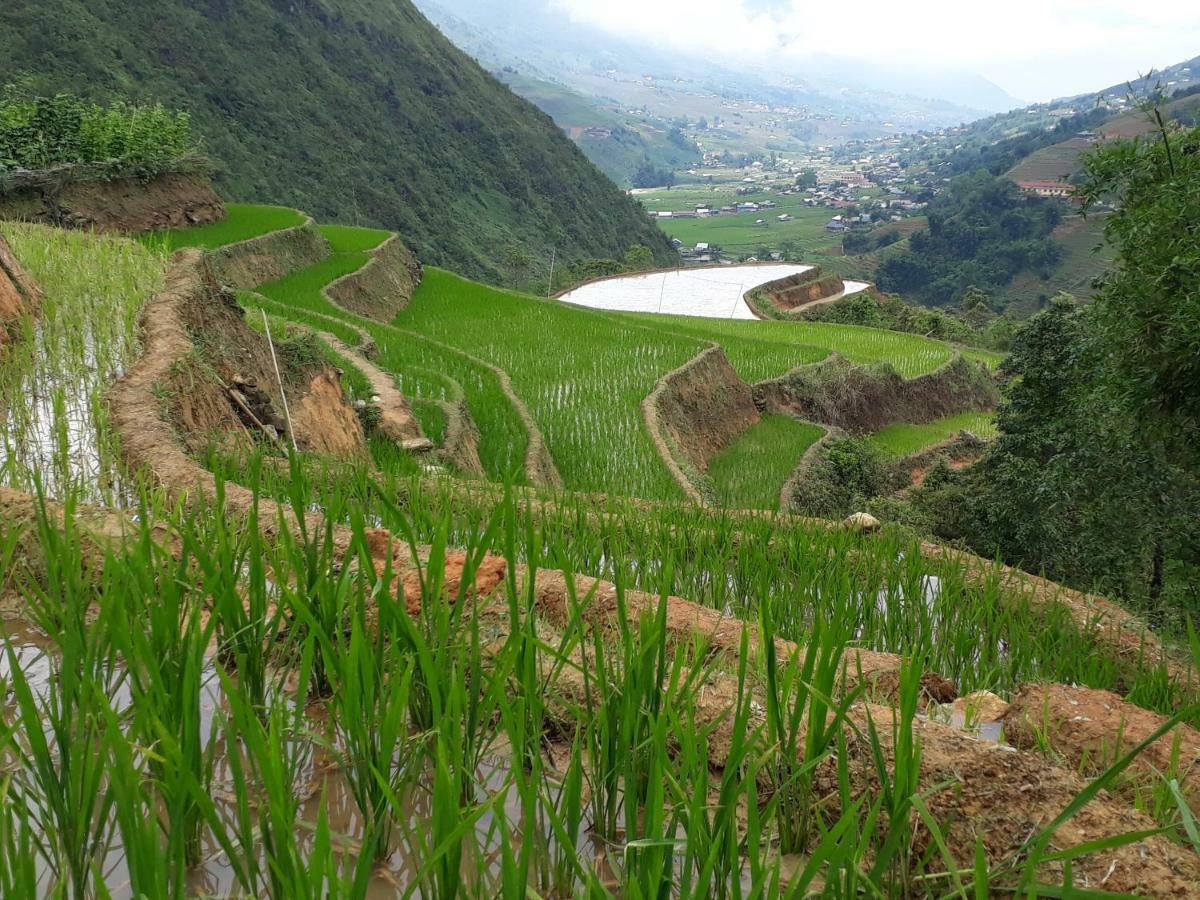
905	438
244	221
52	382
751	471
223	705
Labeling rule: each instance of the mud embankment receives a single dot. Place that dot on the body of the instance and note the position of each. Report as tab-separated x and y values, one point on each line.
786	297
396	420
127	205
695	412
975	788
19	296
1091	729
183	395
246	264
863	399
381	288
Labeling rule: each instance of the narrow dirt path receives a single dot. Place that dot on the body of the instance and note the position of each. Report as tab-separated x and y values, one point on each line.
396	419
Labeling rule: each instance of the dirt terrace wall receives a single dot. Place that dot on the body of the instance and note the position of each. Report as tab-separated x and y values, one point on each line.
787	295
247	264
127	205
1091	729
694	413
863	399
148	425
381	288
19	296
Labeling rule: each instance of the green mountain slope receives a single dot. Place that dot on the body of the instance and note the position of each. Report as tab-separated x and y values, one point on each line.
356	110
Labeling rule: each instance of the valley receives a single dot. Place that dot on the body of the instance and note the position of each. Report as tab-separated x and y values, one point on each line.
392	505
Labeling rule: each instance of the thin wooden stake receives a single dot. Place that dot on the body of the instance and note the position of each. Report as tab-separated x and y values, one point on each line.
279	378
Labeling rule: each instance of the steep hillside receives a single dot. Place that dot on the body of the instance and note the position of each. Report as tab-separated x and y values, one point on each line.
356	110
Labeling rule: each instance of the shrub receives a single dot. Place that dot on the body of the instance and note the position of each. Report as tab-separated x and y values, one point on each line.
847	474
45	132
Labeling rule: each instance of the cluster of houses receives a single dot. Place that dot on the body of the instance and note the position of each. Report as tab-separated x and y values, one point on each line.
704	211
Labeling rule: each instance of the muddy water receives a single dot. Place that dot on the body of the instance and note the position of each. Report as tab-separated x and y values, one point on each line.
319	782
52	417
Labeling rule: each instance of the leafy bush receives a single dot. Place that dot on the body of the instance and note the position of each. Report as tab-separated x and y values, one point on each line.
44	132
848	474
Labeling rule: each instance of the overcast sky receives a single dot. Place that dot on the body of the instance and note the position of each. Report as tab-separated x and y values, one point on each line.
1034	49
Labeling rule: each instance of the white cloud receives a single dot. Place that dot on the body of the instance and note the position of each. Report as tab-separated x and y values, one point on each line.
1035	49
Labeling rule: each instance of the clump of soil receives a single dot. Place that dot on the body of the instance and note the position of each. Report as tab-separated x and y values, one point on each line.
1091	729
864	399
19	296
327	422
128	205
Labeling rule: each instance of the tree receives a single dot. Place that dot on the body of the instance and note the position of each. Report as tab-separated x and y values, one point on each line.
1148	308
639	258
1095	478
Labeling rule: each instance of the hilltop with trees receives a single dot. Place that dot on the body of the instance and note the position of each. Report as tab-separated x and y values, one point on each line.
362	112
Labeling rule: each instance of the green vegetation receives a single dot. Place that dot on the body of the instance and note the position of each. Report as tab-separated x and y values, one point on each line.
54	377
736	233
907	437
420	140
750	472
349	239
976	326
1101	413
767	349
582	373
619	145
982	233
1086	256
452	703
244	221
118	139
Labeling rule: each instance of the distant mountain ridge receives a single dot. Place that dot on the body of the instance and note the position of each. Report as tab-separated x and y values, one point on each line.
355	110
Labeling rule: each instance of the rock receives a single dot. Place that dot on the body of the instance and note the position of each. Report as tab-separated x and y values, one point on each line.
979	707
862	522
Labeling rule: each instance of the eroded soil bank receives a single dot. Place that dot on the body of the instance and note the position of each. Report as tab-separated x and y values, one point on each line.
127	205
19	296
863	399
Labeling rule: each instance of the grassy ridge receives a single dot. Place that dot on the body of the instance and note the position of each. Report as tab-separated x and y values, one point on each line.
751	471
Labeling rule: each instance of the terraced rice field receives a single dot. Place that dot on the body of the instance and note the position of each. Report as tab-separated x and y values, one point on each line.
907	437
207	705
53	420
583	375
749	473
766	349
244	221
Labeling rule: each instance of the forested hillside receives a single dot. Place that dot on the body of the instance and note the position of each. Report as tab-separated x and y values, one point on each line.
357	110
981	233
